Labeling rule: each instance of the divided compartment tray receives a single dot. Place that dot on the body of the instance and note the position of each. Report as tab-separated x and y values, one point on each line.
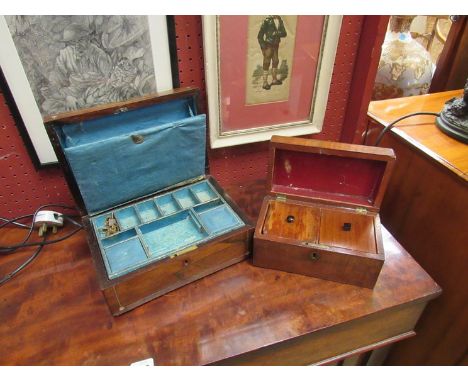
216	216
321	225
173	233
161	226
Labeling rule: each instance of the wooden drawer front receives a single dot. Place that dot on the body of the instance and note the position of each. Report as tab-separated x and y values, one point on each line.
341	267
318	346
178	271
360	236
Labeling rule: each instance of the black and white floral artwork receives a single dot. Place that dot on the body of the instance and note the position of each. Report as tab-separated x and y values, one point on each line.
74	62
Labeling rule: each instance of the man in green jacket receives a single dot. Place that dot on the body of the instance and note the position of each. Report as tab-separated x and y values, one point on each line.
269	37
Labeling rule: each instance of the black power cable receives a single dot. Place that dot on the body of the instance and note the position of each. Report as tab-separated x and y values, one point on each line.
31	228
6	250
10	275
9	221
14	221
24	244
390	126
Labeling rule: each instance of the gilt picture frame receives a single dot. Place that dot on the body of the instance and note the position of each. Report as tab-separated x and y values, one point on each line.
41	80
267	75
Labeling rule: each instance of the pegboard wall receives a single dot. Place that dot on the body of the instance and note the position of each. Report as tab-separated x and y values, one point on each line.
240	164
23	188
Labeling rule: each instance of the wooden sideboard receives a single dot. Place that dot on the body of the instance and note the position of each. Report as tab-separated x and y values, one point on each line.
426	209
54	313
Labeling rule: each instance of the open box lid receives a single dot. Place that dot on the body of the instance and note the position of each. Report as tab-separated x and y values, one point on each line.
330	172
123	151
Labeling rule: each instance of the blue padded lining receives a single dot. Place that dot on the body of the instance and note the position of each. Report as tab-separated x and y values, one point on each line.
167	204
114	170
102	128
203	192
125	255
127	218
147	211
168	234
121	236
185	198
218	219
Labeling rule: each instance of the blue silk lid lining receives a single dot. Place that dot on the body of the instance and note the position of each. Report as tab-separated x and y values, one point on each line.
112	167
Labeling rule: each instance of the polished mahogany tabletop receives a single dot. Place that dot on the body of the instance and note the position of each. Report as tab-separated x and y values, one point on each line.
53	313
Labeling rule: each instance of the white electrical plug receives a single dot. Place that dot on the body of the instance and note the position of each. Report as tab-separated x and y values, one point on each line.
45	219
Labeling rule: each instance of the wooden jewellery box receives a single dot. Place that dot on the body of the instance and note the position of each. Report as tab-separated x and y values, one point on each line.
321	217
154	220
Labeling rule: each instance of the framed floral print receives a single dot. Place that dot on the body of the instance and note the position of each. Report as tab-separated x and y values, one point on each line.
55	64
267	75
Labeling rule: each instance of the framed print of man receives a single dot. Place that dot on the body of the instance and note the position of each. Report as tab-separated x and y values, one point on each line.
269	37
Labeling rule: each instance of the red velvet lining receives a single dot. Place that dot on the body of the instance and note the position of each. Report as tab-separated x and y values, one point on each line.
330	177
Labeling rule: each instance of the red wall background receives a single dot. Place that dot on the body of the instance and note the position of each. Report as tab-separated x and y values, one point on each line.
23	188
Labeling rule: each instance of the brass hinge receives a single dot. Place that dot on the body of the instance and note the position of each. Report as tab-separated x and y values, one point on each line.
361	211
281	198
